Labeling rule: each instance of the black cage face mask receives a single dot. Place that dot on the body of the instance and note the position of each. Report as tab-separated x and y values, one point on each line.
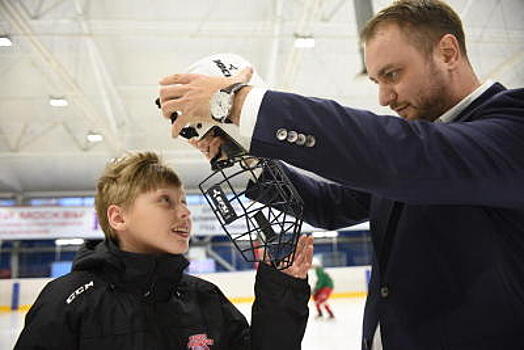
258	208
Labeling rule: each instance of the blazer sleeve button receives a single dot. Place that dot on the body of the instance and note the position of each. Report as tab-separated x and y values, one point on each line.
301	140
292	136
310	141
281	134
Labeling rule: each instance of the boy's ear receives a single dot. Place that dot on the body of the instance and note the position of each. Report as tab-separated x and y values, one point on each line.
116	217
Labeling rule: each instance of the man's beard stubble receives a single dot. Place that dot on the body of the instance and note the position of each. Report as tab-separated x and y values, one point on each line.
435	100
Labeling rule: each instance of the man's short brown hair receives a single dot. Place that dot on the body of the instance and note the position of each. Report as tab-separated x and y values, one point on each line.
424	22
125	178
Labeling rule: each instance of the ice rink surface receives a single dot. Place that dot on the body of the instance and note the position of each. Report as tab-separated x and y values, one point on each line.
343	333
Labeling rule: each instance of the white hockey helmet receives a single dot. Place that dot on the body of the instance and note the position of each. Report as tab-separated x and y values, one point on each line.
225	64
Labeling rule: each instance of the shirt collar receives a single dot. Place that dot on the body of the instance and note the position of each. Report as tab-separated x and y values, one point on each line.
453	113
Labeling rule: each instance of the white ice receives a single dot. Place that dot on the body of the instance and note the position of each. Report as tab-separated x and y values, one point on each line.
343	333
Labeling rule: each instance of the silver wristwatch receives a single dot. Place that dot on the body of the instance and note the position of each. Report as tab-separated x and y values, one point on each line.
222	102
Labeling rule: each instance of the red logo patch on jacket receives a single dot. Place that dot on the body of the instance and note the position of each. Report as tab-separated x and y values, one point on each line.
199	342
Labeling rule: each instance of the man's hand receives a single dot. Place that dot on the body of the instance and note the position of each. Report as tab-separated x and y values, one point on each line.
190	96
209	145
303	258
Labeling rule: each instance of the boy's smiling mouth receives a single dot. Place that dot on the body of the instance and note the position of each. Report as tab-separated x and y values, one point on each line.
181	231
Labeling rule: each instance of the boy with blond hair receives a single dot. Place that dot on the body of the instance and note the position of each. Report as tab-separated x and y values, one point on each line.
130	291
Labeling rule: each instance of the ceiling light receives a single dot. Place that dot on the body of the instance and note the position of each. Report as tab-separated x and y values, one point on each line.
69	241
58	102
5	41
304	42
94	137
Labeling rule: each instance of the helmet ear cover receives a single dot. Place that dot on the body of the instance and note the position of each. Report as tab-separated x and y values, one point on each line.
258	208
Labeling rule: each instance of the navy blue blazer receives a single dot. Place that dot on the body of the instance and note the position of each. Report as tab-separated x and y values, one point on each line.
445	203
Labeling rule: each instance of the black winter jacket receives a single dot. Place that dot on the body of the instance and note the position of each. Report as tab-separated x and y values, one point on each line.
118	300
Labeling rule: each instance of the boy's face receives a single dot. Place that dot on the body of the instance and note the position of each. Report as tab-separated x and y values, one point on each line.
156	222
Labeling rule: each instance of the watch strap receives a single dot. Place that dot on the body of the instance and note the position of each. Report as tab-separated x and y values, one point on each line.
233	88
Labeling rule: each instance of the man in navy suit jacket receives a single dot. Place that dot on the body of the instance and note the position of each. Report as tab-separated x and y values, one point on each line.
443	186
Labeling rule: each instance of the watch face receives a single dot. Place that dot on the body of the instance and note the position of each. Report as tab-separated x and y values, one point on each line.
220	105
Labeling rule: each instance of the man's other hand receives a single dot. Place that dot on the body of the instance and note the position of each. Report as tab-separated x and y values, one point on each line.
209	145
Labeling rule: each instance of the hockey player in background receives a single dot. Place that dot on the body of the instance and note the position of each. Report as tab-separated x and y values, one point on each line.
322	291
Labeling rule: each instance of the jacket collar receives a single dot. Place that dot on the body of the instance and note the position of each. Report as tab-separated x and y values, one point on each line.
484	97
155	277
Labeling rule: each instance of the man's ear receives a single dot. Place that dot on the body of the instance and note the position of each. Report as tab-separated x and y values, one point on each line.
448	51
116	217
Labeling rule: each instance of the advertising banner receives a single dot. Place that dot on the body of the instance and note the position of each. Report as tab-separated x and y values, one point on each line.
82	222
48	223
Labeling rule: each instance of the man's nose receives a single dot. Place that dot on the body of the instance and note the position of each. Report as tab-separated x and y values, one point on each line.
386	95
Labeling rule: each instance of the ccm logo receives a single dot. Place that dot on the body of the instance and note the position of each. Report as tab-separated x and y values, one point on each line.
79	291
223	68
222	204
219	199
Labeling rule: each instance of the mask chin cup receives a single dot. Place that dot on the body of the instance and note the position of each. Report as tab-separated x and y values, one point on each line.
258	208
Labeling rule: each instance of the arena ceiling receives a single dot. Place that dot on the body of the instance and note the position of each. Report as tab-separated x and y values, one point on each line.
106	56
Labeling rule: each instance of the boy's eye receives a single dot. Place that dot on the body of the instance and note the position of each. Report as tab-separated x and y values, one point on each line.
165	199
